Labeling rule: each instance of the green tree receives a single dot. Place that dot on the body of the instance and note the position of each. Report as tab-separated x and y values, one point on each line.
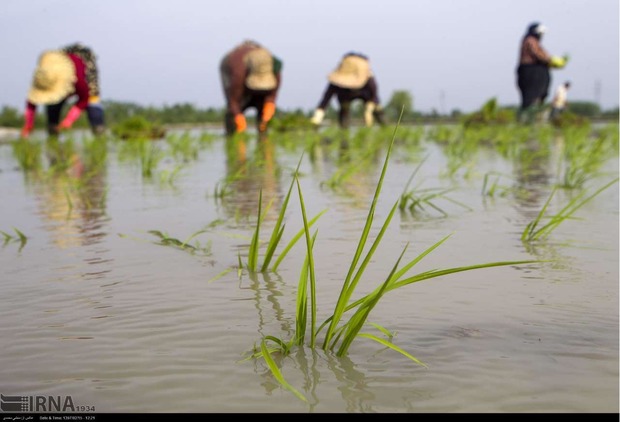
584	108
10	117
400	100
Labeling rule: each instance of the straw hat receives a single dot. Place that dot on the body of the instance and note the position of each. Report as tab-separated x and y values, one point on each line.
53	78
260	70
353	72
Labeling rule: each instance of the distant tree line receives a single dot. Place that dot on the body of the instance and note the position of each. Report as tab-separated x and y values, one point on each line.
186	113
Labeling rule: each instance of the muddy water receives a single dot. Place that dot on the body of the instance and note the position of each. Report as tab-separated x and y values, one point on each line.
95	308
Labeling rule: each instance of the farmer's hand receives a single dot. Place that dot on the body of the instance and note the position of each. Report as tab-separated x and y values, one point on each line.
26	132
72	116
240	123
318	116
557	62
28	122
269	110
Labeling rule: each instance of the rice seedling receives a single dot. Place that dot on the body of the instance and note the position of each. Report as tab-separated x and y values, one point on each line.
341	175
67	192
183	147
138	127
582	159
444	134
339	332
28	154
169	177
492	188
196	248
415	200
351	164
150	156
18	237
276	233
542	226
62	156
95	155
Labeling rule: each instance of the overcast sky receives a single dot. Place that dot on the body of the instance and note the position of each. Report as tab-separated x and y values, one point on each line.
449	54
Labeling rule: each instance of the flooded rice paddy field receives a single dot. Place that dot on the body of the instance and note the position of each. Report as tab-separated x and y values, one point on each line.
126	286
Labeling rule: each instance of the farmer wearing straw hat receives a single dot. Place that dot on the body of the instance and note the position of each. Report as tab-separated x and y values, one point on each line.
59	76
251	78
352	80
533	74
95	108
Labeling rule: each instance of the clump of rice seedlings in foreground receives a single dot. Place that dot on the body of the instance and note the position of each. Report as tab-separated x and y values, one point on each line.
349	316
544	224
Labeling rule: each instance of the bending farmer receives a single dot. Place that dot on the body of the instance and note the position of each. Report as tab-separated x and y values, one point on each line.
60	75
251	78
352	80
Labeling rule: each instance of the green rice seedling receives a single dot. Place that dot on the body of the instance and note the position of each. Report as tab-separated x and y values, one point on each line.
492	188
61	155
353	162
255	243
169	177
183	147
150	156
9	238
95	154
276	232
138	127
206	138
266	353
444	134
543	224
341	175
28	154
582	159
414	200
195	248
408	136
69	201
340	332
221	190
293	241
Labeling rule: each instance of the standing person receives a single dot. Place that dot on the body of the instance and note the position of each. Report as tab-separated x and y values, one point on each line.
251	78
533	74
58	77
94	109
352	80
560	100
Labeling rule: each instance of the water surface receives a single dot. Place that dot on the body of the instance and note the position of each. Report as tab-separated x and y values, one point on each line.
94	307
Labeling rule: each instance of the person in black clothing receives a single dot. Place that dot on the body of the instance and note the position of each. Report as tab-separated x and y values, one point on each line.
533	74
352	80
